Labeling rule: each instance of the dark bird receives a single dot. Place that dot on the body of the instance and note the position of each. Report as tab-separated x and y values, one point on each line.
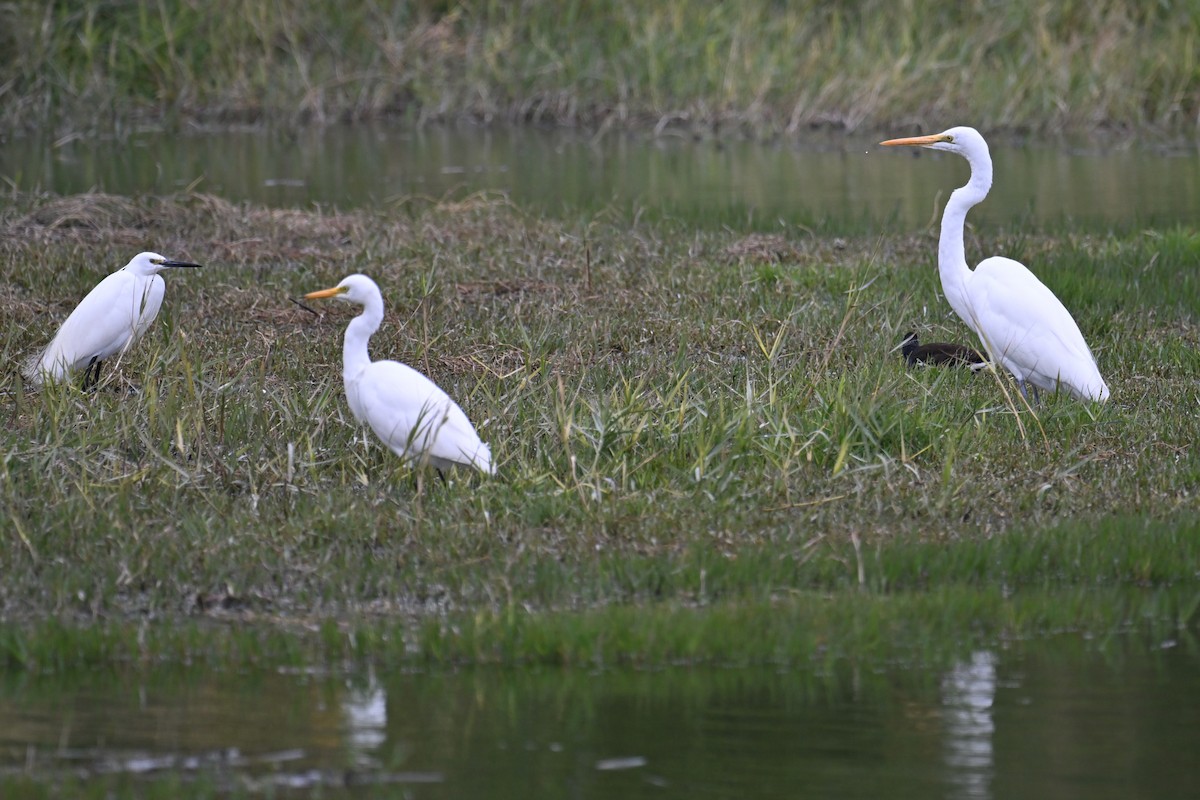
941	353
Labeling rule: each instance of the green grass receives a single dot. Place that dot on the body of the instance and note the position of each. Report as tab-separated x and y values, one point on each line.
760	67
706	450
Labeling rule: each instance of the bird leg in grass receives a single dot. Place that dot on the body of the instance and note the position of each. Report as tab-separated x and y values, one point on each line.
91	375
419	484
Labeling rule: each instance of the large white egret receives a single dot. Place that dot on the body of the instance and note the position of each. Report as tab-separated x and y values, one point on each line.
414	418
106	322
1024	327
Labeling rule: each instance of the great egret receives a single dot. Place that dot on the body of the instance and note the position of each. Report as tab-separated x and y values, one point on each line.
107	321
1024	327
414	418
943	353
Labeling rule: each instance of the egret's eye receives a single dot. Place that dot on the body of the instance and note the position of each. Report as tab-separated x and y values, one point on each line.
950	138
156	261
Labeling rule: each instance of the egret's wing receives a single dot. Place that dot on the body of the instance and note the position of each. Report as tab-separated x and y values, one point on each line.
416	418
100	325
147	306
1028	329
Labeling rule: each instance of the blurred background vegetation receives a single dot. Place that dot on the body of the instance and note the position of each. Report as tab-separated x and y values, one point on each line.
761	68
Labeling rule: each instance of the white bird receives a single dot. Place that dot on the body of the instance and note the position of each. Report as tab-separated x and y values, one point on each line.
414	418
1024	327
107	321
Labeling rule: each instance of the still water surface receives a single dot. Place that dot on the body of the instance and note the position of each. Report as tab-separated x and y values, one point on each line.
837	183
1055	721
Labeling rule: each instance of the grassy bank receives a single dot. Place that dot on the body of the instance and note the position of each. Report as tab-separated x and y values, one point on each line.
706	449
758	67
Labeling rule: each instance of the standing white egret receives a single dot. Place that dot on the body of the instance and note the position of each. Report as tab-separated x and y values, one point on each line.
1024	327
413	417
107	321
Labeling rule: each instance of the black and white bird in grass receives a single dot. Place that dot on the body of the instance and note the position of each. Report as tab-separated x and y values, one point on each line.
940	353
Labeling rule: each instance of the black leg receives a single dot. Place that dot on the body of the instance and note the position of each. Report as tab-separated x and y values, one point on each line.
91	375
441	475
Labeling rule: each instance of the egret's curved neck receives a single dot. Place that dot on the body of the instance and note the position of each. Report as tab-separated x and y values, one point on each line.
354	350
952	258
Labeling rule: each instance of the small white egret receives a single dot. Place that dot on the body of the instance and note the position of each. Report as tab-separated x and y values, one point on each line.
414	418
107	321
1024	327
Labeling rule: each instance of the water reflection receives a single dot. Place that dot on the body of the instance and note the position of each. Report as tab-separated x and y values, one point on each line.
968	691
364	713
836	182
1058	721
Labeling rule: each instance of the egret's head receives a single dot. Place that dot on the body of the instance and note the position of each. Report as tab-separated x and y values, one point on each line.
354	289
153	263
962	140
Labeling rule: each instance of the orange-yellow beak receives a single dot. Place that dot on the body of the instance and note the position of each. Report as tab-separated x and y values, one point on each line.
920	141
334	292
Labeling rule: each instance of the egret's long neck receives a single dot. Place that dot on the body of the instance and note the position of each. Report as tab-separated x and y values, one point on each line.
952	258
354	350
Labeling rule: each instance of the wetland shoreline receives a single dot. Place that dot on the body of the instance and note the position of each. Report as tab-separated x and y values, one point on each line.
707	451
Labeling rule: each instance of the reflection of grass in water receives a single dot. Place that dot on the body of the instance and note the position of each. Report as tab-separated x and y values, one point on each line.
762	66
706	450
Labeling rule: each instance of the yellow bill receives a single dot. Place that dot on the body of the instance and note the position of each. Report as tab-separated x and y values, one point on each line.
920	141
321	295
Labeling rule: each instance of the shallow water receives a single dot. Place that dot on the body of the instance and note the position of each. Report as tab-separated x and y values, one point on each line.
837	183
1056	721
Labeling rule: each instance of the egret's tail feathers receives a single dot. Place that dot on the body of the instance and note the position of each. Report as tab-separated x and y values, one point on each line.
482	459
42	367
31	368
1097	392
1085	384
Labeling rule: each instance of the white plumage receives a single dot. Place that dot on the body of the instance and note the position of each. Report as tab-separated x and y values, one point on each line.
1024	327
407	411
106	322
